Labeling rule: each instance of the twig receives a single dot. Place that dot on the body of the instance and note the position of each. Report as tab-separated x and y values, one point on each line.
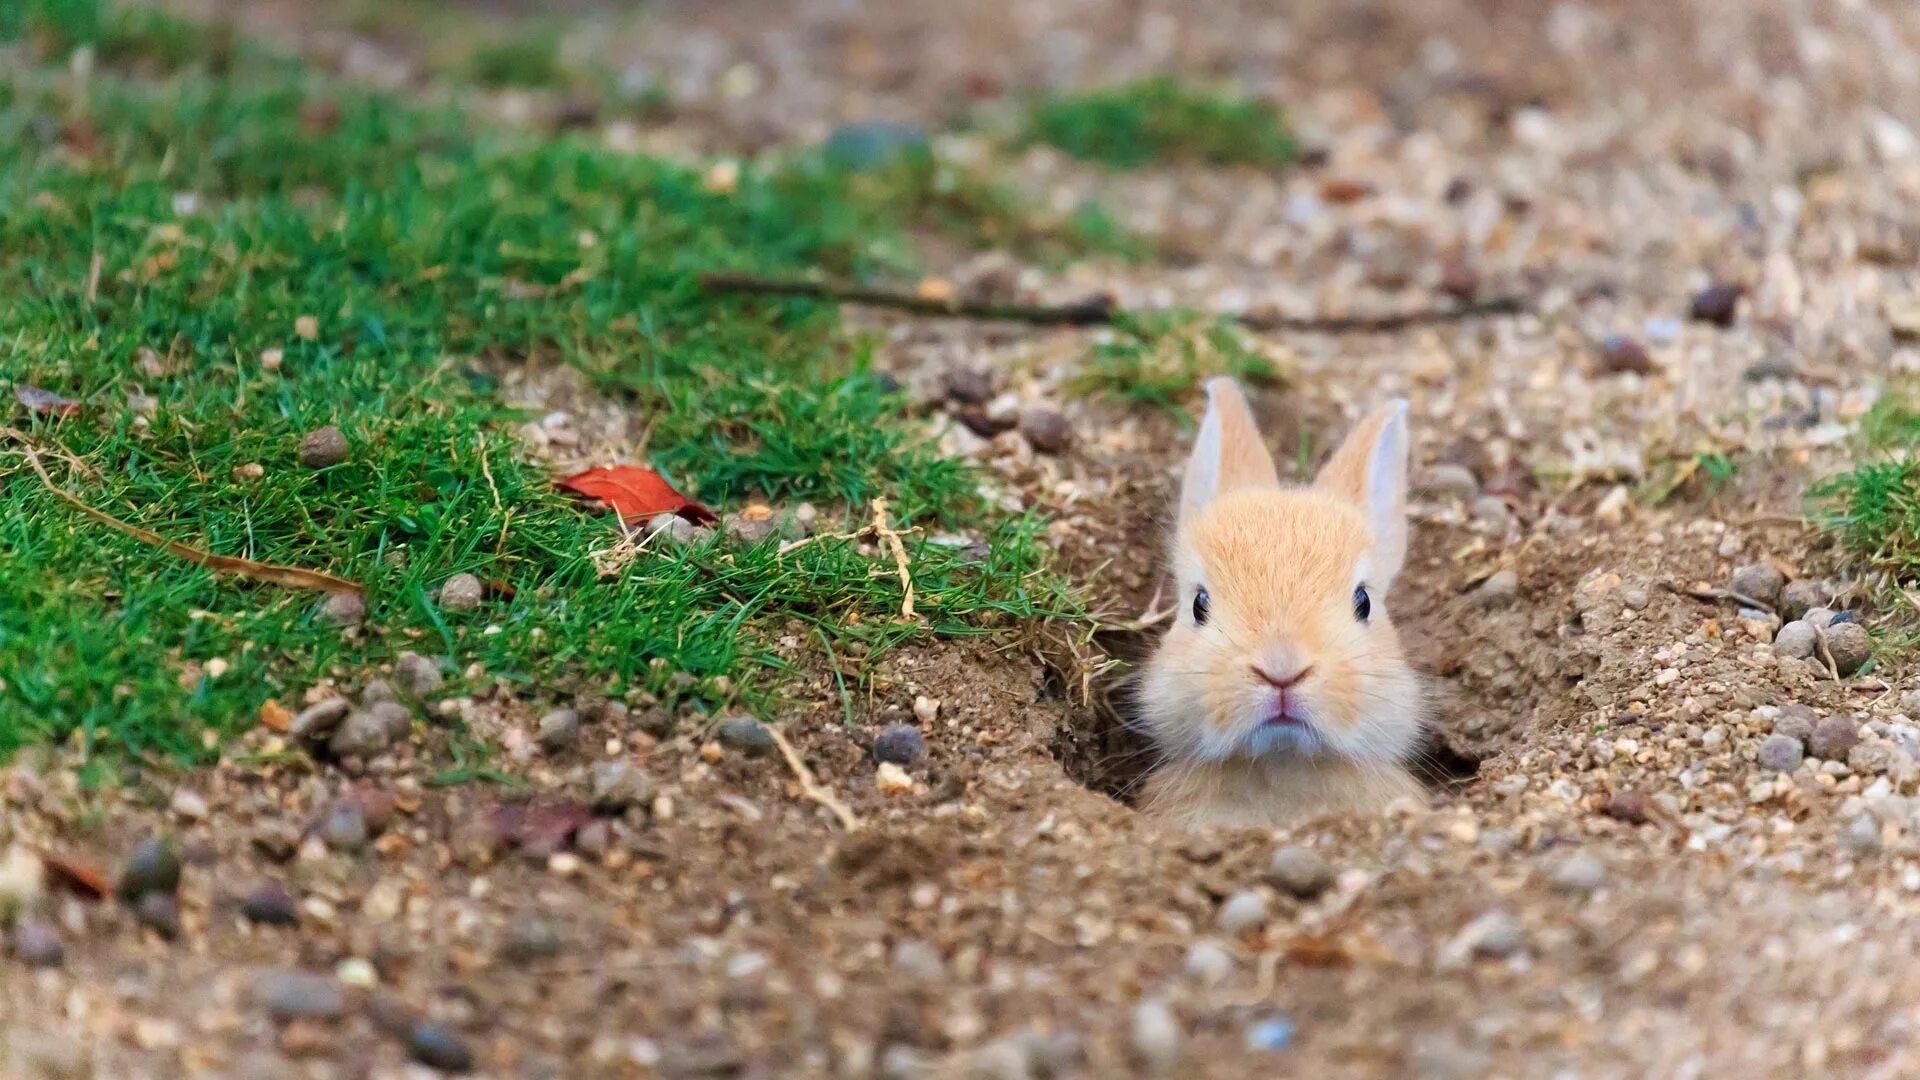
93	278
290	576
899	555
1820	639
810	787
1093	311
1716	595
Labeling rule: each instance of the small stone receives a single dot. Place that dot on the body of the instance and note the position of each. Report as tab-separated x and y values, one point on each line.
1818	617
1801	595
376	692
919	960
1271	1034
188	804
1759	581
317	721
343	609
1633	806
1717	304
1797	640
1495	934
901	744
270	904
926	709
297	995
1780	753
1796	721
357	972
1499	590
669	529
1243	911
1492	510
1156	1037
437	1047
744	734
159	912
396	719
1046	429
1449	481
364	735
594	839
559	730
1208	963
345	827
1620	354
1850	645
969	386
1301	871
1872	758
461	592
323	448
619	784
752	524
530	938
417	675
1579	873
277	840
1861	835
1834	736
892	780
153	867
37	944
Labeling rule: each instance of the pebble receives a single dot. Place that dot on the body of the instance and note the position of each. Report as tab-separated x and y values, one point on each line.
530	938
22	878
270	904
1760	581
745	734
1850	645
396	719
1834	736
37	944
299	995
1492	510
1271	1034
1243	911
1046	429
1633	806
1156	1036
357	972
345	827
969	386
323	448
1780	753
1499	590
752	524
926	709
417	675
619	784
1861	835
188	804
1817	617
670	528
559	730
461	592
438	1047
277	840
1620	354
1579	873
890	779
317	721
153	867
377	691
364	735
1796	721
1301	871
1717	304
1799	596
159	912
1449	481
1797	640
901	744
1494	934
1208	962
343	609
918	960
1872	758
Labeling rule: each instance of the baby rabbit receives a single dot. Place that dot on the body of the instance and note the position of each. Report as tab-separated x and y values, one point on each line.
1280	694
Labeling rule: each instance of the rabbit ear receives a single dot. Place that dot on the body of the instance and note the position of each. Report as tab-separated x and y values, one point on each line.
1227	454
1371	469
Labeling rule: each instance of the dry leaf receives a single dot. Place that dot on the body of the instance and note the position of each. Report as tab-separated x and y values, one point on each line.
82	877
275	716
635	492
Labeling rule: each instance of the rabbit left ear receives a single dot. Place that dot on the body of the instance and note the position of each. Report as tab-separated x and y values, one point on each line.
1371	469
1227	454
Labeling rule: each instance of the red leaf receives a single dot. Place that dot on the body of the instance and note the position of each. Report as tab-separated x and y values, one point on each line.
76	876
635	491
45	401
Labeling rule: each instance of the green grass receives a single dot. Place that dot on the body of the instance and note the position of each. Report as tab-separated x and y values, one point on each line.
1159	361
1873	507
224	205
1161	120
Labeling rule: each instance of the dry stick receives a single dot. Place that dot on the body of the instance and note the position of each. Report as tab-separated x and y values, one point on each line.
899	555
1820	639
1093	311
810	787
1715	595
290	576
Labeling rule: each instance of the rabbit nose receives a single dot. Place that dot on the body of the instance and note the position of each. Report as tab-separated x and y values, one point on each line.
1273	673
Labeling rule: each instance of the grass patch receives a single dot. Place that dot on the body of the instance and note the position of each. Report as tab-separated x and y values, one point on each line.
1162	119
228	210
1873	508
1159	359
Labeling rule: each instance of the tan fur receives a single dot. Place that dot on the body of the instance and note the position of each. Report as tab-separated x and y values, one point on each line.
1280	567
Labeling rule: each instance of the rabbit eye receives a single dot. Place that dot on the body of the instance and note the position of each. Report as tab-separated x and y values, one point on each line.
1362	603
1202	606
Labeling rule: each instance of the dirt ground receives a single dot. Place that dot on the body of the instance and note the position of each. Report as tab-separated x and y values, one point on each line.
1607	883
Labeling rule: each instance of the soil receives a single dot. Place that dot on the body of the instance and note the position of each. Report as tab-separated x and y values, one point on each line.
1606	882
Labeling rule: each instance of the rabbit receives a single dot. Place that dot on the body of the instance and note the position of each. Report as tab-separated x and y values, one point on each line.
1280	694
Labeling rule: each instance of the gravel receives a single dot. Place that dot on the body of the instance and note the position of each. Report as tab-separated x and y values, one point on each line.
1452	482
417	675
323	448
919	960
344	828
1761	581
1579	873
969	386
529	939
1208	962
1046	429
1796	722
1834	736
901	744
1156	1037
1301	871
1243	910
363	735
270	904
619	784
558	730
1619	355
1717	305
439	1047
1780	753
461	593
1499	590
1796	639
745	735
152	867
36	943
1494	934
298	995
159	912
317	721
1861	835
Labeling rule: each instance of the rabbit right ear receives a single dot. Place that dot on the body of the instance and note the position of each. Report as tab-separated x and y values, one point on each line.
1227	454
